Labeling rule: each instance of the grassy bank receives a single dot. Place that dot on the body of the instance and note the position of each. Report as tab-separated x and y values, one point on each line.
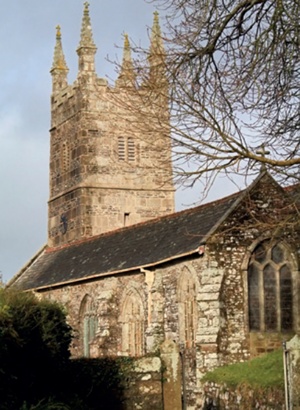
264	372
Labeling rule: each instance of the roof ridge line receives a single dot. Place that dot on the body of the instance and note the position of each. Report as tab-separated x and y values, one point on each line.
148	222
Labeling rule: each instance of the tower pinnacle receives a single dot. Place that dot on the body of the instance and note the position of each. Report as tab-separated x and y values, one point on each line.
157	46
59	69
87	48
110	155
127	75
157	53
86	39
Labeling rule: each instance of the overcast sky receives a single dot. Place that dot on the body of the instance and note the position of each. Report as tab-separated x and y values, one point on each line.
27	38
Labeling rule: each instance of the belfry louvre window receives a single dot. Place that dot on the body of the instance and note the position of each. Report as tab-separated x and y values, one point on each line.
65	157
270	289
121	149
126	149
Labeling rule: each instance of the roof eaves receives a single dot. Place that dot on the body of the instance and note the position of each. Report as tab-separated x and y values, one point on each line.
110	273
26	266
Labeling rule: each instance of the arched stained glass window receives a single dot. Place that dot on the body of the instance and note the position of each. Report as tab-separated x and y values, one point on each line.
270	289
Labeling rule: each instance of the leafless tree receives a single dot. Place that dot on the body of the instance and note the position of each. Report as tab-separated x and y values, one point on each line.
233	70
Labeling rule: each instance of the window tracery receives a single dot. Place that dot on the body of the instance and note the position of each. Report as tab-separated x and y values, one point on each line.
270	288
132	321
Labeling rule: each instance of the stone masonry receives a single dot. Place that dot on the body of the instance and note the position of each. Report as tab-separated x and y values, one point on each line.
109	167
221	331
217	284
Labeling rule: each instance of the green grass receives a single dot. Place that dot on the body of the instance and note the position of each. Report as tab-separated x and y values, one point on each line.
264	371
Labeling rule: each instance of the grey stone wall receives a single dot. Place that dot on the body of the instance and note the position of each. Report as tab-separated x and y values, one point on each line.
144	389
89	185
222	397
159	291
219	274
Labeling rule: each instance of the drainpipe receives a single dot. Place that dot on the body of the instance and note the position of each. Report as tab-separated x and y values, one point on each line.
149	279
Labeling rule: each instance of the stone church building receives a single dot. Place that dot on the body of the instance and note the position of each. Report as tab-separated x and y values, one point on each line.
221	280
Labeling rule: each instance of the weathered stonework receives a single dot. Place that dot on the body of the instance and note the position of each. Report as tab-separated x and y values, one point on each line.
211	331
221	397
221	336
182	280
292	372
144	390
199	301
172	375
109	168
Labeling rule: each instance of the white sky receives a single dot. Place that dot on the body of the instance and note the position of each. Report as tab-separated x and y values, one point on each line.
27	38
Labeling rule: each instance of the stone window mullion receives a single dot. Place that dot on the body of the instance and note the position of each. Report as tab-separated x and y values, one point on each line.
261	300
271	287
278	307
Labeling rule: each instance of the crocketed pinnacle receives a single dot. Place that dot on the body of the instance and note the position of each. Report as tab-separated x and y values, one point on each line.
86	38
127	74
156	46
157	74
59	62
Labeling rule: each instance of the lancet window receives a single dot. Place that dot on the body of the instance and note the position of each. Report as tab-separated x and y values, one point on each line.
132	322
88	319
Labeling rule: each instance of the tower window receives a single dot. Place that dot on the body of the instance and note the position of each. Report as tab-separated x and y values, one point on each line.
65	157
121	149
126	218
126	149
270	289
130	149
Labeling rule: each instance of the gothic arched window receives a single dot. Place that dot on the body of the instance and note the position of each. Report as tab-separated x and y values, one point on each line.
132	321
270	289
187	309
88	320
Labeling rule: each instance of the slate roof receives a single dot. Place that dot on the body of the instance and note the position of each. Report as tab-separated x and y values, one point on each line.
141	245
138	246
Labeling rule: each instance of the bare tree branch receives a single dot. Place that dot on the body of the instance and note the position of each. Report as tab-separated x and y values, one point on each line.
233	70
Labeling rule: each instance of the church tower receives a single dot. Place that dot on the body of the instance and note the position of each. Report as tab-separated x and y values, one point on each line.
110	149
